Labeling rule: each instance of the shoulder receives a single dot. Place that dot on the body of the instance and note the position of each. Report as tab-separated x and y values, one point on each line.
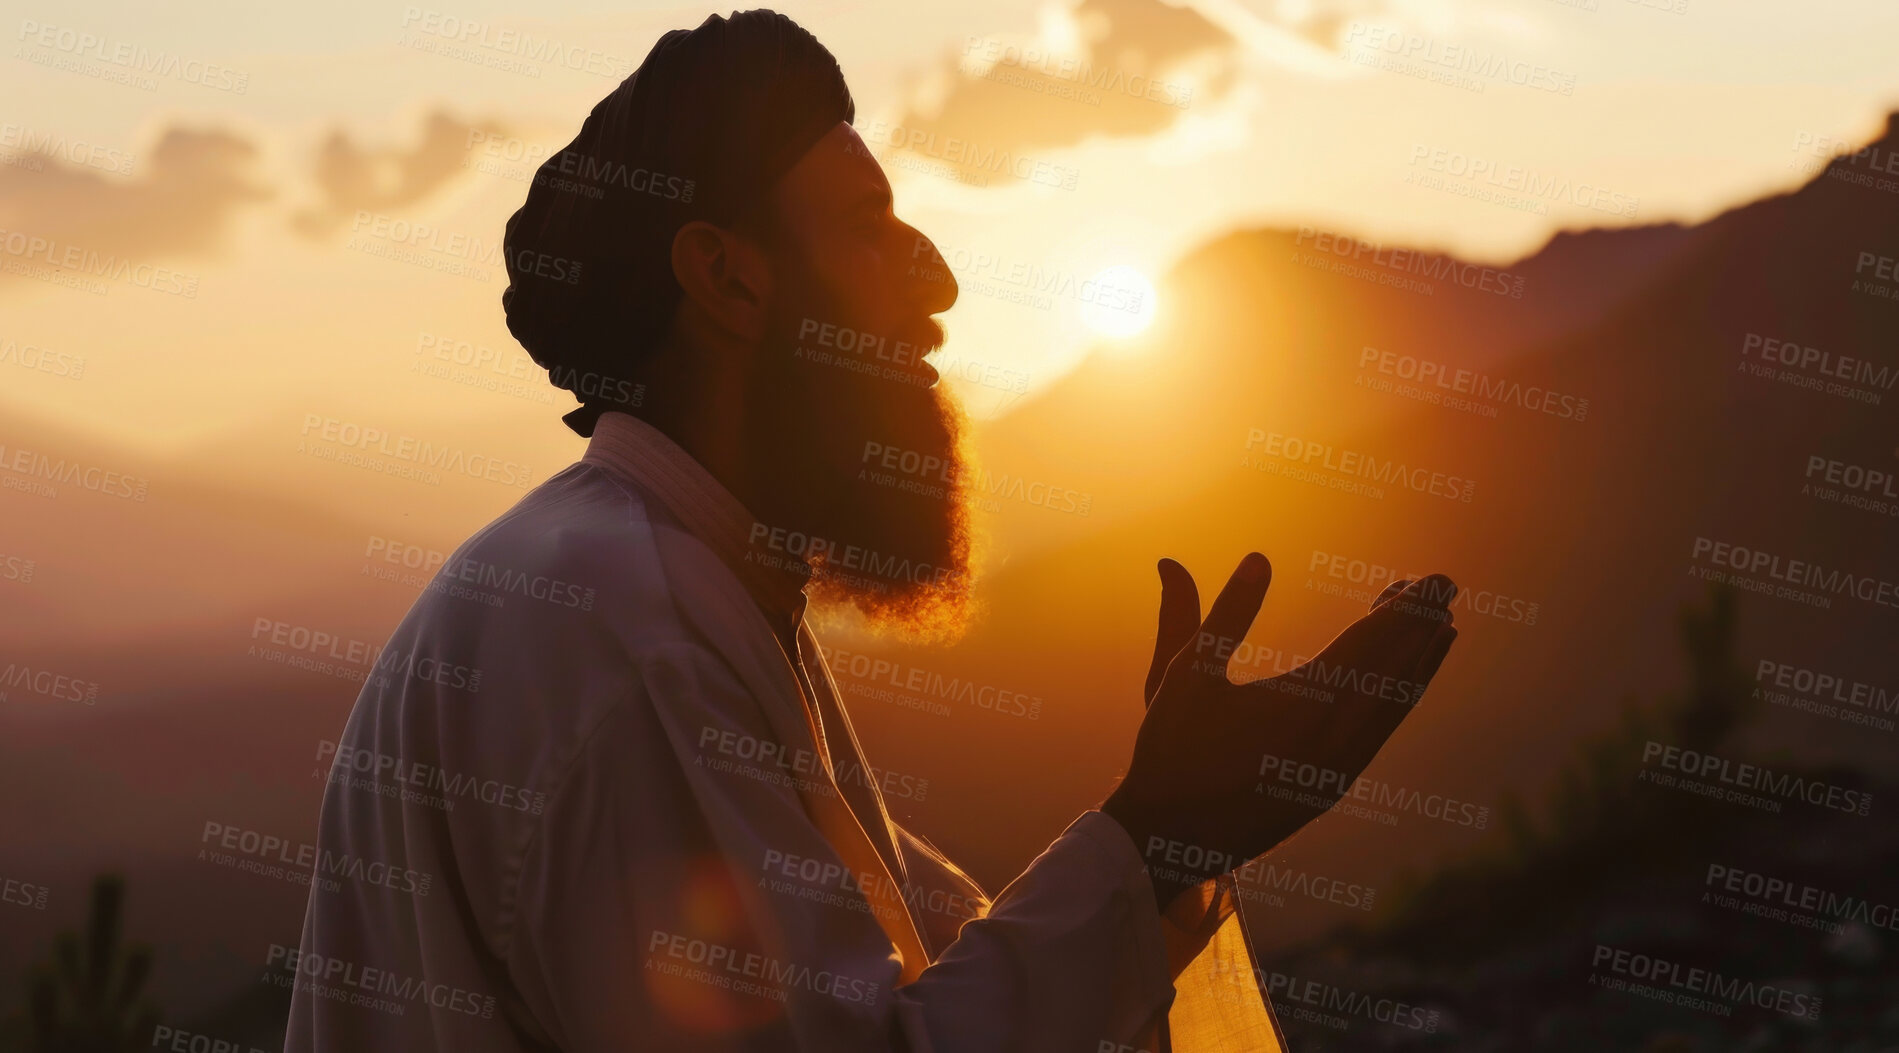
581	566
541	628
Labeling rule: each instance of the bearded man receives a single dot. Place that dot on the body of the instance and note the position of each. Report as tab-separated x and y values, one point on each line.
643	814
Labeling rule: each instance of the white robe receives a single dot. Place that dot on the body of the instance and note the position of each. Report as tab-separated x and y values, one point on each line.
609	800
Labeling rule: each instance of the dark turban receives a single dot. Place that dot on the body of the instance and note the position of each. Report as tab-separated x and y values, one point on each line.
701	131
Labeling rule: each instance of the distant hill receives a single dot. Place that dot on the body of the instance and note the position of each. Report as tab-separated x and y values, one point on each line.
1594	519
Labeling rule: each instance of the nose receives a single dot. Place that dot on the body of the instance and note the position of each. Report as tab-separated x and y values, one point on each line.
935	286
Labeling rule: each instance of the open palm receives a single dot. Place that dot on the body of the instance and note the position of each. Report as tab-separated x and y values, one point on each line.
1191	799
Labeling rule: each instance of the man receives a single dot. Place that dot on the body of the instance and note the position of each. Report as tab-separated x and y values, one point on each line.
607	739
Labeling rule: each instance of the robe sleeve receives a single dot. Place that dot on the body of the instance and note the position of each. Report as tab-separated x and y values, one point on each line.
676	894
1220	1002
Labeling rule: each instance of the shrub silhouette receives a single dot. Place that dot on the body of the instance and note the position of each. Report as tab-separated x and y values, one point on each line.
1599	825
89	997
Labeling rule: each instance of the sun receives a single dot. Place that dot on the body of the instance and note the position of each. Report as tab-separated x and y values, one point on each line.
1118	302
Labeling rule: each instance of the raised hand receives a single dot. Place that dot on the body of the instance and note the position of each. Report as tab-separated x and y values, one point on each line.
1190	799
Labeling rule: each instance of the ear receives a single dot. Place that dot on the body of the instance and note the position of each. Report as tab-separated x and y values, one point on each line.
725	276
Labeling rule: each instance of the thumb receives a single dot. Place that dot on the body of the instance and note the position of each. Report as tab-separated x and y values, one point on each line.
1179	620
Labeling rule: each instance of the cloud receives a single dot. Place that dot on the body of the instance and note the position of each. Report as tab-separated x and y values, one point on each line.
1113	68
187	190
180	198
351	177
1323	22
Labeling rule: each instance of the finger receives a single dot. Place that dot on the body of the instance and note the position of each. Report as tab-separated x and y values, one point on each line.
1401	627
1391	590
1434	657
1398	641
1232	613
1417	612
1431	591
1179	620
1362	729
1419	679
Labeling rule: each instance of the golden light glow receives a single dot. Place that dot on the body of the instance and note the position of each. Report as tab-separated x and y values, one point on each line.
1118	303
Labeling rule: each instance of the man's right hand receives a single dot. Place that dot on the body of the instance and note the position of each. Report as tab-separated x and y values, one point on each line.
1191	799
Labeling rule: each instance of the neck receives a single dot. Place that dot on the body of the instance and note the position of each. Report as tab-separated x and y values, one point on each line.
700	399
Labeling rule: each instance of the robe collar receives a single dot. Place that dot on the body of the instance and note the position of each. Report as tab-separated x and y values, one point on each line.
774	576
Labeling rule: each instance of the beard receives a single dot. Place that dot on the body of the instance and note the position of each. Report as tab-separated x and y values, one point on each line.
871	466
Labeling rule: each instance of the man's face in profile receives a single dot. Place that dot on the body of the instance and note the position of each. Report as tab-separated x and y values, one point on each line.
859	429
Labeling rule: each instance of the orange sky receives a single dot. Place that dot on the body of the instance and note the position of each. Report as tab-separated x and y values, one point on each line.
268	162
264	176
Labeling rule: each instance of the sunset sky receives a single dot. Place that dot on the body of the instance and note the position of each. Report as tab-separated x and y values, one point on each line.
1299	112
232	240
